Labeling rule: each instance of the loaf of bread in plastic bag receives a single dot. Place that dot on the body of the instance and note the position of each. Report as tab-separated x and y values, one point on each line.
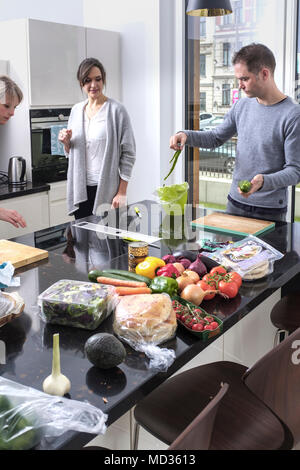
146	318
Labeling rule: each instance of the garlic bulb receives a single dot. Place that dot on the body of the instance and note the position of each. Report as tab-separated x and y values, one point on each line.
56	383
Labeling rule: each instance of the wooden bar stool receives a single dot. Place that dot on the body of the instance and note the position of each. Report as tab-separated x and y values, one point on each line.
285	316
243	422
260	411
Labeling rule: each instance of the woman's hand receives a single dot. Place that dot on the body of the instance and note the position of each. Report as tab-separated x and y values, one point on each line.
64	137
178	140
13	217
120	200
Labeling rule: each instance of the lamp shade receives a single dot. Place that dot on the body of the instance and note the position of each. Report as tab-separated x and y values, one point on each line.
208	7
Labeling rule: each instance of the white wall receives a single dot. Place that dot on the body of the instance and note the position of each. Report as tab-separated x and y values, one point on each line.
59	11
150	78
151	69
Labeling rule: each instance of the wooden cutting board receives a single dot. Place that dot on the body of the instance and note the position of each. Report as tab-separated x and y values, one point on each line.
221	222
20	255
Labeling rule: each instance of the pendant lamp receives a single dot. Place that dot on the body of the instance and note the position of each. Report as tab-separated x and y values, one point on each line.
208	7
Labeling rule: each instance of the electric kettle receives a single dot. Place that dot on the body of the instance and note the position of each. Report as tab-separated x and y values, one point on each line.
17	170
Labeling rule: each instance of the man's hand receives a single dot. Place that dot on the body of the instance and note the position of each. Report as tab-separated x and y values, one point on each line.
256	183
13	217
177	141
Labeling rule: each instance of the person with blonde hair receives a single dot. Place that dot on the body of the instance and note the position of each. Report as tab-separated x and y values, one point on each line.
10	98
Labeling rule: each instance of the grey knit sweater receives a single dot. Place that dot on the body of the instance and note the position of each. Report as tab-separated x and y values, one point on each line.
117	162
268	143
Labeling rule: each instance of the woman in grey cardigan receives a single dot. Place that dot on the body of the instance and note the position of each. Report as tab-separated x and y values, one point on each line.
100	145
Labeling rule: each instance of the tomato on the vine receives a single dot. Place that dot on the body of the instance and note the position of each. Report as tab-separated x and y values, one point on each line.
218	270
228	288
210	280
236	277
205	286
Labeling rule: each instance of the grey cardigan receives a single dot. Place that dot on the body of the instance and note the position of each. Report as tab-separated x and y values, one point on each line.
117	162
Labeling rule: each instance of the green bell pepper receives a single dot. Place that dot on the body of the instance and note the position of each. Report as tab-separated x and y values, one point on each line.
245	186
164	284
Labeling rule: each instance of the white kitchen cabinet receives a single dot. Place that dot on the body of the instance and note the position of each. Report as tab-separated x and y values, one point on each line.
44	58
105	46
55	51
4	67
35	210
58	213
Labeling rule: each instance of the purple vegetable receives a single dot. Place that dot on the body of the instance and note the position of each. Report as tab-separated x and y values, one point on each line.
185	262
169	259
198	266
191	255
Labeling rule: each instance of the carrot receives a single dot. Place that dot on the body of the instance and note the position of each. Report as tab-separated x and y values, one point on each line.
132	290
120	282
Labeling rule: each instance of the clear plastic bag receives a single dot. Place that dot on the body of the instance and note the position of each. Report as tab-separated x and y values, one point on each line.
27	416
251	257
77	303
145	321
11	306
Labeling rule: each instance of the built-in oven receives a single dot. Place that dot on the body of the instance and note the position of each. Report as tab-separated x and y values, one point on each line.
48	160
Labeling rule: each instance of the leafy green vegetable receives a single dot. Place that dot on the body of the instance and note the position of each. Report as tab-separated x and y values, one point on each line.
76	303
174	197
172	193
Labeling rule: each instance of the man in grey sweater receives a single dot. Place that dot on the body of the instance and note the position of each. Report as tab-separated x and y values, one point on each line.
267	124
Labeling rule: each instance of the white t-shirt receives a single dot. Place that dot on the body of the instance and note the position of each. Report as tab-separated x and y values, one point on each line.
95	138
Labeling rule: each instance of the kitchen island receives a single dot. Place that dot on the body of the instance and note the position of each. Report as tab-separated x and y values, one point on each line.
81	247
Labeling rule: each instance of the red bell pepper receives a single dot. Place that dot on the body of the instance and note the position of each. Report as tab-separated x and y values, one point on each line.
169	271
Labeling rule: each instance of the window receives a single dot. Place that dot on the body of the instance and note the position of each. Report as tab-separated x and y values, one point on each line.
202	27
238	12
202	65
225	94
203	104
227	19
211	86
226	53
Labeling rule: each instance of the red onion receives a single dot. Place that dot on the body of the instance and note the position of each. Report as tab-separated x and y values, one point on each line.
198	266
185	262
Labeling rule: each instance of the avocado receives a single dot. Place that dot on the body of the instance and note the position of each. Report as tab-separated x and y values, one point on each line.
104	350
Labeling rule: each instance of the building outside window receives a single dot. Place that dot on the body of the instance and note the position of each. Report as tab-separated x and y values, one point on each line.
202	65
226	94
238	12
202	27
226	53
202	101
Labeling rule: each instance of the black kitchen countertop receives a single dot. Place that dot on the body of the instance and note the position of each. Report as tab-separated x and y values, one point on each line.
10	191
28	339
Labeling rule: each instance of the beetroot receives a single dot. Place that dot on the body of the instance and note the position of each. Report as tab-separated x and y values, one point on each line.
169	259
